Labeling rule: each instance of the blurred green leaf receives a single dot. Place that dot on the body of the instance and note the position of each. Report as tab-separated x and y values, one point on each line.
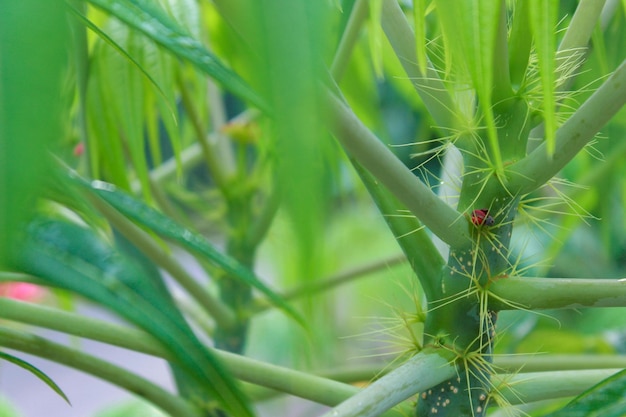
148	18
419	20
135	408
605	399
37	372
74	258
33	58
7	409
543	19
520	42
166	227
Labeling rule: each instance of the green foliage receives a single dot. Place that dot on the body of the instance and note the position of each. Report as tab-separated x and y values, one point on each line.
221	127
35	371
31	107
603	399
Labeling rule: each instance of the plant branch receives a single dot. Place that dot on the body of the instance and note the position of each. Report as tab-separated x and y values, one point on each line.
556	362
423	371
538	167
550	293
300	384
361	144
343	277
44	348
537	386
349	38
429	86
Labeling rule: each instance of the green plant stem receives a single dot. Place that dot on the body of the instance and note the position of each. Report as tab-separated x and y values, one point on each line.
349	38
361	144
41	347
429	86
551	293
581	27
538	167
343	277
557	362
219	169
218	310
314	388
530	387
412	237
423	371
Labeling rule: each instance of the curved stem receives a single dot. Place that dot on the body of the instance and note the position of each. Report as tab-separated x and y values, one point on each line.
361	144
300	384
548	293
423	371
550	362
44	348
537	386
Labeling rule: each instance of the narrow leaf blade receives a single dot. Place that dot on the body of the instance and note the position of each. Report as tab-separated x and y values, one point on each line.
164	226
146	17
543	16
37	372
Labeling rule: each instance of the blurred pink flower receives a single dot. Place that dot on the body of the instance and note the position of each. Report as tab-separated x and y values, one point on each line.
22	291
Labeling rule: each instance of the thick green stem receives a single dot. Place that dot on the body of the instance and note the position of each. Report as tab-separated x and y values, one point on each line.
550	362
538	167
421	372
39	346
416	243
550	293
530	387
361	144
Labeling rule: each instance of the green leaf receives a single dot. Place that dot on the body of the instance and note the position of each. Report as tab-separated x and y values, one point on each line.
543	19
37	372
419	19
141	213
470	29
520	42
147	17
35	50
74	258
605	399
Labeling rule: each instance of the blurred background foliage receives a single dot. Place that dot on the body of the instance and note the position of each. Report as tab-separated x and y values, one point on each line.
277	194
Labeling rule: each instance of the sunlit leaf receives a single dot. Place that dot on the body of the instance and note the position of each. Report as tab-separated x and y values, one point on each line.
520	42
35	371
470	30
419	18
146	17
33	58
543	18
